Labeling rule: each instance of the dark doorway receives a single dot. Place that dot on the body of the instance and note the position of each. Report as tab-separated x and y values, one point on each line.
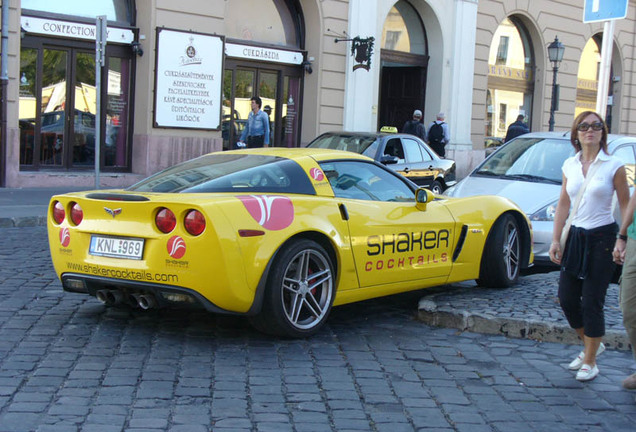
402	88
278	86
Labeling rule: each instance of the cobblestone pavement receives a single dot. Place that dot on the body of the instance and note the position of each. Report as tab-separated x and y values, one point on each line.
68	363
529	309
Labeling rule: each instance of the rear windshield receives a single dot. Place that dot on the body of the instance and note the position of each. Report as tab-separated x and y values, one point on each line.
534	159
353	143
230	173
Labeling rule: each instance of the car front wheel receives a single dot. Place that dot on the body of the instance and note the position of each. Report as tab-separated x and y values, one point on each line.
299	293
436	187
500	262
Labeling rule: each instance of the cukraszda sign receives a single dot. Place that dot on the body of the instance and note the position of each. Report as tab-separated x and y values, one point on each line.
188	80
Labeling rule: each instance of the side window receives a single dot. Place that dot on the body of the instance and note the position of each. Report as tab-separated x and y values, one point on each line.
365	181
626	154
394	148
426	154
372	149
412	150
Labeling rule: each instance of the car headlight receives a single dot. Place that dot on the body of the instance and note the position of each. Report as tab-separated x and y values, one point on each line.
545	214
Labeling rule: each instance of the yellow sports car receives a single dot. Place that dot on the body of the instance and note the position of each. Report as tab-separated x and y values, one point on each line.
279	235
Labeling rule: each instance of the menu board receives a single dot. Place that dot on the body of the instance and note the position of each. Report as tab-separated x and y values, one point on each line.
188	80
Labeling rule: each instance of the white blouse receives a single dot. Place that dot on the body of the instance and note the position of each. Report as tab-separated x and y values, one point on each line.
595	209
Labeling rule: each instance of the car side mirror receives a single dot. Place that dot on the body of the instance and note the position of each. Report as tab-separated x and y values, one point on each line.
422	197
388	160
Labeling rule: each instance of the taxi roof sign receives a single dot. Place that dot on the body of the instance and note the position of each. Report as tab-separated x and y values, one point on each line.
389	129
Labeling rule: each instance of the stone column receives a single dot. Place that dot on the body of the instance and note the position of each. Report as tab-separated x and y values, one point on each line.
462	69
361	88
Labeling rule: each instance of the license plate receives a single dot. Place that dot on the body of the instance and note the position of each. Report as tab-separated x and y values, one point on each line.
117	247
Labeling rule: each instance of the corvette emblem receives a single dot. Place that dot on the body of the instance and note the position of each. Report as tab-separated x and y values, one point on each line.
112	212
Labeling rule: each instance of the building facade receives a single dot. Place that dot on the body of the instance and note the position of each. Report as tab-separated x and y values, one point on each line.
177	77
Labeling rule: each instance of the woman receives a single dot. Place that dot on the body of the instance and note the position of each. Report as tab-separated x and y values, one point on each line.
586	263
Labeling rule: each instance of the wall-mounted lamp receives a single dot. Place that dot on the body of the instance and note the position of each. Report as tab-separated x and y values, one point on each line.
306	64
137	48
23	33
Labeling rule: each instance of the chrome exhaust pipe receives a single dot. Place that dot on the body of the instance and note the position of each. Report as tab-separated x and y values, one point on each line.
133	300
147	301
102	296
114	297
109	297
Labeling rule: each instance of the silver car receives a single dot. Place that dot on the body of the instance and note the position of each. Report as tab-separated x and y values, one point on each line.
527	170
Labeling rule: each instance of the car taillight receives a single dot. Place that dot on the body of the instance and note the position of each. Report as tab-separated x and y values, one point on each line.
194	222
58	212
165	220
77	214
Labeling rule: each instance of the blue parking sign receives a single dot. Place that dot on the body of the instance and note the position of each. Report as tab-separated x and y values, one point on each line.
604	10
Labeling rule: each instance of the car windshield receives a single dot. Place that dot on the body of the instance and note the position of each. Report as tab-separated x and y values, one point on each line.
531	159
353	143
230	173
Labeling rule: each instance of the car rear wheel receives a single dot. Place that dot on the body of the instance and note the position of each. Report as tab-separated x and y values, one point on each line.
500	262
436	187
299	292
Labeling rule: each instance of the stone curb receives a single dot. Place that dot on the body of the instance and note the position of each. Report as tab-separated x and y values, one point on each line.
429	313
23	221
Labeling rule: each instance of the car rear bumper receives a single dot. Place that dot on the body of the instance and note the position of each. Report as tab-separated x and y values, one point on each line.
114	291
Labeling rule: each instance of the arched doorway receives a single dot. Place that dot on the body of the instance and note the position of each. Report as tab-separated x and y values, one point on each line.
404	60
273	31
587	80
510	77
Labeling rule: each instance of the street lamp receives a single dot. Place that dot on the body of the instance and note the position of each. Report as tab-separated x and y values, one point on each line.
555	54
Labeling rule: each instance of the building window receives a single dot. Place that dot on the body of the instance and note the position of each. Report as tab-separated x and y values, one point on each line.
119	11
503	109
391	39
403	30
502	51
510	76
276	22
58	94
58	105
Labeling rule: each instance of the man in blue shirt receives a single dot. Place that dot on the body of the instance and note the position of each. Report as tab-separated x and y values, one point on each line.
256	132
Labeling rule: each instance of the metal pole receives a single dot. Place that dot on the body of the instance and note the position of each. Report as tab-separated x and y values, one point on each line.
605	67
101	36
4	87
554	99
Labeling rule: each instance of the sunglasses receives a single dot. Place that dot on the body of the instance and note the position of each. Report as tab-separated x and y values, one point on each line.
596	126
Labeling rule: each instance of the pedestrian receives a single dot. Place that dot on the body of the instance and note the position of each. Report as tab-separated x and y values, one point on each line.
415	126
268	111
517	128
590	178
625	254
256	132
437	135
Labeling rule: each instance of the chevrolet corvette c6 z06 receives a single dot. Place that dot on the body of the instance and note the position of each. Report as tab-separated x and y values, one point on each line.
279	235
